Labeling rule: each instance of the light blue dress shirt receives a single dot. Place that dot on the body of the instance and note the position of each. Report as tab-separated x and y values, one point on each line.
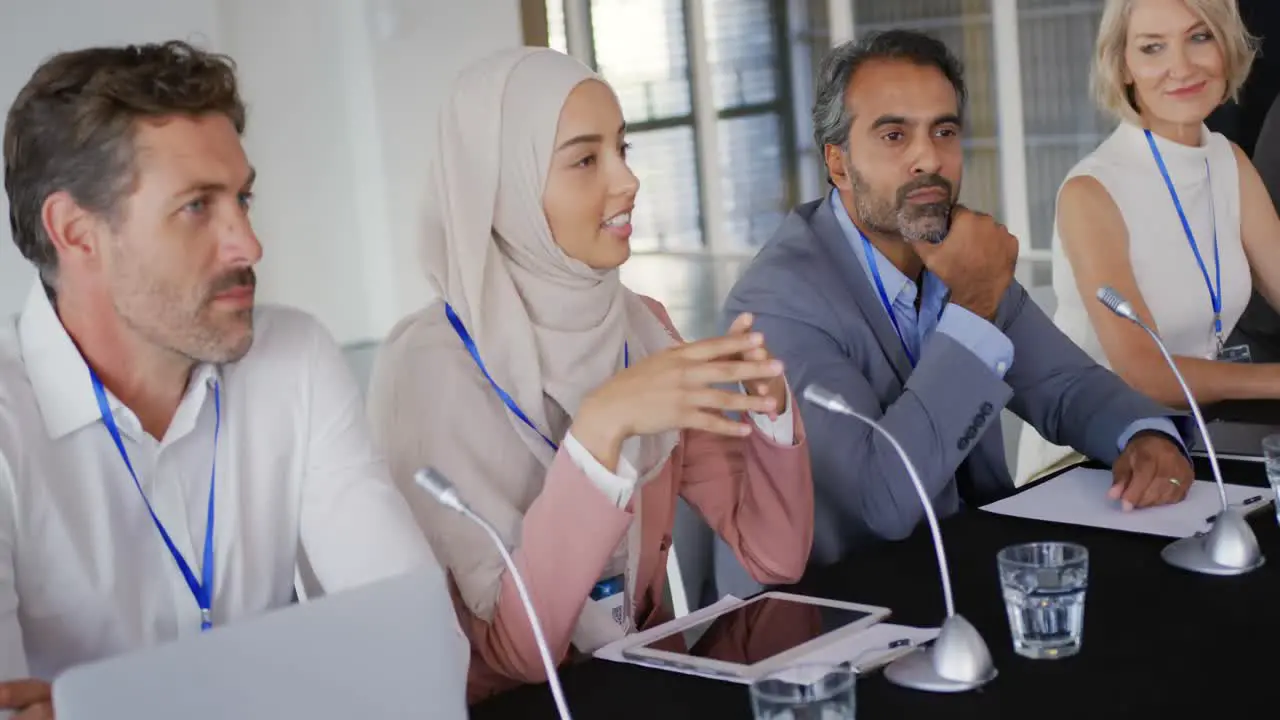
983	339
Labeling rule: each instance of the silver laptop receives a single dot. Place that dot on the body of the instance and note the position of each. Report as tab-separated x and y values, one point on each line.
386	650
1235	440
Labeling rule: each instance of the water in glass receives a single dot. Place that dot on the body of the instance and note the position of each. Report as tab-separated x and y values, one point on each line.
1271	454
1044	588
805	692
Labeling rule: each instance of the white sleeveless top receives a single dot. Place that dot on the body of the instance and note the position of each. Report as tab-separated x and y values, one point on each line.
1169	278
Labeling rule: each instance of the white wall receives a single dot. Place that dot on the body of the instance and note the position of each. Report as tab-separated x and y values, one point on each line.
31	30
342	97
413	68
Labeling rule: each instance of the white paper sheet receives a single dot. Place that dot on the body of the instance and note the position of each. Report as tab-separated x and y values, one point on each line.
866	649
1079	497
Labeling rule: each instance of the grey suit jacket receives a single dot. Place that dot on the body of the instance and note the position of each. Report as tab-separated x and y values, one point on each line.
821	316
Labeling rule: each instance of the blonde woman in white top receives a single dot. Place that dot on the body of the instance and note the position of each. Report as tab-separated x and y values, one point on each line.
1172	216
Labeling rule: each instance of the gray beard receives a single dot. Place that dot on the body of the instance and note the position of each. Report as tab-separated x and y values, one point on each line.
913	223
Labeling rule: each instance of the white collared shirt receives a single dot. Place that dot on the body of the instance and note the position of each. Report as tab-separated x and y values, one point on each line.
84	573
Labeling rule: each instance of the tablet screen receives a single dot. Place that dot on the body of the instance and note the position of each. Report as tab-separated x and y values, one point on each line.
757	630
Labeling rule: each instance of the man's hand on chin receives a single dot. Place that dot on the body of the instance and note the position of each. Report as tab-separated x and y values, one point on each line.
1152	470
28	699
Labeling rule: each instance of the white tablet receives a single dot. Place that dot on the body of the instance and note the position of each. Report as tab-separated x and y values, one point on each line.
754	638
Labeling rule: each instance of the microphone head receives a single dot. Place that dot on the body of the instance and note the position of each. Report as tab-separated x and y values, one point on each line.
825	399
437	485
1116	303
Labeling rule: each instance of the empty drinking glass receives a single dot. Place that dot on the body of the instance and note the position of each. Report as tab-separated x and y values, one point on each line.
1271	454
805	692
1044	585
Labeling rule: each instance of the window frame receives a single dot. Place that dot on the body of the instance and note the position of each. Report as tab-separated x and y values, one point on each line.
702	117
1011	137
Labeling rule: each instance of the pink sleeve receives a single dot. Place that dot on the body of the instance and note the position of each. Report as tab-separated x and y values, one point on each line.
755	493
567	537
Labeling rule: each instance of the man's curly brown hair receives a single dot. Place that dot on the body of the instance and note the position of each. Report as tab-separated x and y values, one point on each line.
72	127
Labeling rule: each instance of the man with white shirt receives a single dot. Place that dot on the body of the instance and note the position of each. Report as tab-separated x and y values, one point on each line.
168	452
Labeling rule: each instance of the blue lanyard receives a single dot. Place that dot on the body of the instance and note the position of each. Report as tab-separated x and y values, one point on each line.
870	254
1215	294
202	590
506	398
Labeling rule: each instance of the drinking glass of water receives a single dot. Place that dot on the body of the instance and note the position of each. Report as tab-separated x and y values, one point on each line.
1271	454
805	692
1044	585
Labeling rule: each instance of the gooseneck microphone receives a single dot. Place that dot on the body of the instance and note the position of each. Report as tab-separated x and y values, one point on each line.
958	660
439	487
1229	547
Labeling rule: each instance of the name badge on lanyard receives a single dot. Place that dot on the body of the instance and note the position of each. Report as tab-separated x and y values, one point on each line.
609	591
1237	353
608	594
201	590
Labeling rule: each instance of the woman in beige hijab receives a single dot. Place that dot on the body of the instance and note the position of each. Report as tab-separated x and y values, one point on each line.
564	407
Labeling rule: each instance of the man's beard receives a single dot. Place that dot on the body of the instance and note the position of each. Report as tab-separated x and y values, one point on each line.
172	319
913	222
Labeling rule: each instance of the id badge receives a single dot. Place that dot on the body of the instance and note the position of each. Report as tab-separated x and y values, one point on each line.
1236	354
608	595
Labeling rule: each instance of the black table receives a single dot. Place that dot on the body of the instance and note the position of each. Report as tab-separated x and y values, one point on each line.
1158	642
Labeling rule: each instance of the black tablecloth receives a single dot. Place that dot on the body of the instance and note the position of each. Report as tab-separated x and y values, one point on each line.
1158	642
1256	412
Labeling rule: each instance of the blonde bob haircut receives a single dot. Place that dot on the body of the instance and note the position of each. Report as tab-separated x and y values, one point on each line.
1115	96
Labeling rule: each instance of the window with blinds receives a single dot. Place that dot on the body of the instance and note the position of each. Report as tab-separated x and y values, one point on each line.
1056	39
641	49
748	60
1061	124
965	27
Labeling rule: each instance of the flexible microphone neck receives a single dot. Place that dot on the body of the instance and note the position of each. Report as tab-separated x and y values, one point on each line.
439	487
1116	303
959	659
831	402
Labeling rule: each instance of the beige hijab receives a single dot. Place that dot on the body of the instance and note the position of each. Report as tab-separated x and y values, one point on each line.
549	328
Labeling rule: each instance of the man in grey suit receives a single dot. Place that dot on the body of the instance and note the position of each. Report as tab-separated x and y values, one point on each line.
890	294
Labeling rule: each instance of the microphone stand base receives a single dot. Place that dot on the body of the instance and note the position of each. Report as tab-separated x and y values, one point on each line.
958	660
1192	554
1228	548
916	671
